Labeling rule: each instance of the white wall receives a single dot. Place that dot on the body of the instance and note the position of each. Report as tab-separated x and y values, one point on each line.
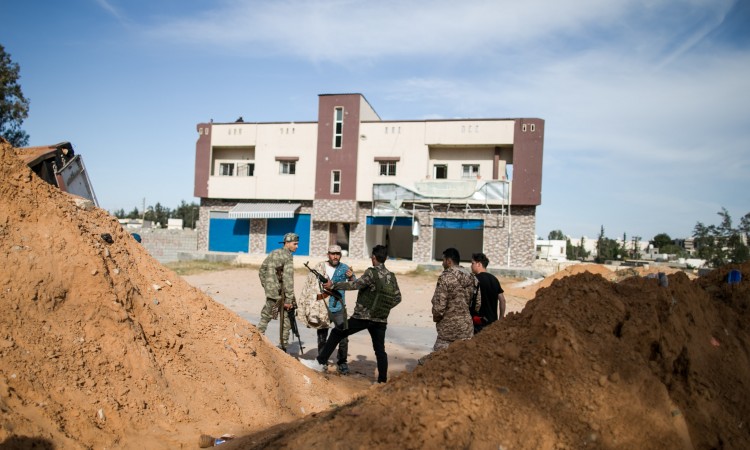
472	142
272	140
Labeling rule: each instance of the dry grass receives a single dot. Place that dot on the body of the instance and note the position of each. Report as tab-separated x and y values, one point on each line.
200	265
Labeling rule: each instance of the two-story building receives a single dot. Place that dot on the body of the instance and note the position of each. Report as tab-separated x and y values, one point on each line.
353	179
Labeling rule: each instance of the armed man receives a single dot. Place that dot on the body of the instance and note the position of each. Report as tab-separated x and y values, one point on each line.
319	306
279	293
378	294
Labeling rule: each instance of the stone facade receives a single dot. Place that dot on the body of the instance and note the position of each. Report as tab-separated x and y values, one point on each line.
319	239
258	235
521	222
334	210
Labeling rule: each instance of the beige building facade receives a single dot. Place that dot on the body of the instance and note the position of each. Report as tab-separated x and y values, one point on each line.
416	186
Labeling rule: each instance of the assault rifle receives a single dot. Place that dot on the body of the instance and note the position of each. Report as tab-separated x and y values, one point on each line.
322	279
289	313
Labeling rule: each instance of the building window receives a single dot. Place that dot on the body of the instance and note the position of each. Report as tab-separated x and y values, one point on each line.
470	171
287	167
387	168
338	127
246	170
335	182
440	172
226	169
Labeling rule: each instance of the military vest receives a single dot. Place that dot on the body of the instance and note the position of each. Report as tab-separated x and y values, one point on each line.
380	301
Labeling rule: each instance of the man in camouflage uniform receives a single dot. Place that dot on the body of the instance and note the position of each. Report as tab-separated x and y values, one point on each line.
279	259
375	280
450	304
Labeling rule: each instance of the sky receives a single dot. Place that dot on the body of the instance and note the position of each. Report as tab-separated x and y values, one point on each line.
646	102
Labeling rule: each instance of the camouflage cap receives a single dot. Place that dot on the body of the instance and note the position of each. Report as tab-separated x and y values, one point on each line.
334	249
290	237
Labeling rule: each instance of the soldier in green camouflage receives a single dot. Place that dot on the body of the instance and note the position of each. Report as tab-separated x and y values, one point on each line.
279	259
378	293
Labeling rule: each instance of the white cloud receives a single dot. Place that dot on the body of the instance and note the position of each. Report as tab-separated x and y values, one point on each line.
110	8
340	30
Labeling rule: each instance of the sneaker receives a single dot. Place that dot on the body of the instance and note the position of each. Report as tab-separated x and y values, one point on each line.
314	365
343	368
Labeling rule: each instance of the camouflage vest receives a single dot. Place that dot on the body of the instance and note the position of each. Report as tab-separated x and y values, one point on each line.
380	301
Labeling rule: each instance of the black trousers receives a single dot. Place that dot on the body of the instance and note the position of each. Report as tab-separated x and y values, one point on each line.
339	320
377	334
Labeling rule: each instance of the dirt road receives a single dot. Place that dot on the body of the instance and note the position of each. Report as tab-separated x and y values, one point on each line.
411	331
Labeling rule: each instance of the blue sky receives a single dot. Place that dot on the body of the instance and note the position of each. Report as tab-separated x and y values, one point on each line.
646	103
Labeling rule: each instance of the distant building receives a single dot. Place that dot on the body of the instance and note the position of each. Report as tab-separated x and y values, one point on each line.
174	224
551	250
353	179
687	244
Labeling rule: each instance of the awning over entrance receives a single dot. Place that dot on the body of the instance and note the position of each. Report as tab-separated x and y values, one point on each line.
264	211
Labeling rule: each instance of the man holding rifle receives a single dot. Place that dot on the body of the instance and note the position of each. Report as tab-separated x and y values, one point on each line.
319	306
378	294
279	290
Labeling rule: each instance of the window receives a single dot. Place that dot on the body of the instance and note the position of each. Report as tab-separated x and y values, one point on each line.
335	182
387	168
226	169
245	170
338	127
287	167
470	171
440	172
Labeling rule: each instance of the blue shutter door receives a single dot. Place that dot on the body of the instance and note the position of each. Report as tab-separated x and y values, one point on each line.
229	235
277	228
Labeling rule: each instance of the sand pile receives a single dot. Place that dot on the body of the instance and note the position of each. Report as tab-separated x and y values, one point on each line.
528	290
102	347
588	364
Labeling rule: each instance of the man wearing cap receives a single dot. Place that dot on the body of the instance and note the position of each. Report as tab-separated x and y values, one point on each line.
279	260
318	308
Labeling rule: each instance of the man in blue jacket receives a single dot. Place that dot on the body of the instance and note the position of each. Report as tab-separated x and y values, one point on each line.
317	308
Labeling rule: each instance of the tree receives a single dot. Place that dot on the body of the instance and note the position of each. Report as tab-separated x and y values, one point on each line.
134	214
14	107
188	213
577	252
556	235
158	214
745	227
661	240
721	244
636	251
608	249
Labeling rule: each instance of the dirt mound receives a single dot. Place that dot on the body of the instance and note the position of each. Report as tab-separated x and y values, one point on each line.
102	347
648	271
588	364
529	291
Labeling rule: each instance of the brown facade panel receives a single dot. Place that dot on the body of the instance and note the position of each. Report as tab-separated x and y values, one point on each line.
343	159
202	160
528	144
